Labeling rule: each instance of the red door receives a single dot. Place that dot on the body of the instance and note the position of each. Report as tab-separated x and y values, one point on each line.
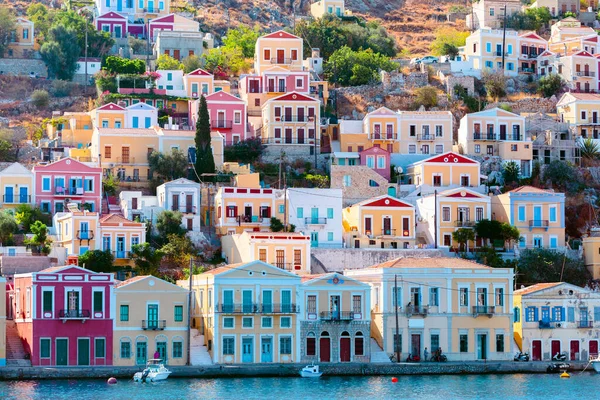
574	350
555	348
593	348
536	350
280	57
345	349
324	350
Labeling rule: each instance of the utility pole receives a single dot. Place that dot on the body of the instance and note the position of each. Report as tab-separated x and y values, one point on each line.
285	214
87	82
315	123
397	335
189	325
280	160
435	224
503	38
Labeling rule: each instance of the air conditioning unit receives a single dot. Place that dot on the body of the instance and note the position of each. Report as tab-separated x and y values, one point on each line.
558	324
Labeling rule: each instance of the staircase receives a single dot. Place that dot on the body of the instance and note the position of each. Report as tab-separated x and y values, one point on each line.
198	352
377	354
104	209
15	354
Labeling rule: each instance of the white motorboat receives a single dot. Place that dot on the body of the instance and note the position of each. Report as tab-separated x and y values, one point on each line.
595	361
155	371
311	371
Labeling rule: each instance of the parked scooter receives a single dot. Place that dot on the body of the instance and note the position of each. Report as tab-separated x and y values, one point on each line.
521	356
560	357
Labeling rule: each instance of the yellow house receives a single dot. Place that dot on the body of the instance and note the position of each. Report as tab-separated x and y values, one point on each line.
579	69
16	184
497	132
292	118
335	319
539	215
77	231
2	321
119	235
279	48
484	50
445	170
289	251
380	222
248	313
441	214
198	83
76	131
581	110
152	315
322	7
458	306
22	41
569	28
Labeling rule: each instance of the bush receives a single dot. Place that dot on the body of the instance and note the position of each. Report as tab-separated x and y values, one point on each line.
40	98
495	84
550	85
246	151
61	88
352	68
166	62
120	65
426	97
191	63
105	82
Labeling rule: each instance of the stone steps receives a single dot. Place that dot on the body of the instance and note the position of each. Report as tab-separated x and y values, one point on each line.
198	351
377	353
15	353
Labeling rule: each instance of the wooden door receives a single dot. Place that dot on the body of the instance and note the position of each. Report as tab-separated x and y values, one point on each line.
134	203
324	350
62	351
415	341
176	54
83	351
280	56
189	203
345	349
555	346
190	224
536	350
593	348
175	205
288	136
368	226
574	350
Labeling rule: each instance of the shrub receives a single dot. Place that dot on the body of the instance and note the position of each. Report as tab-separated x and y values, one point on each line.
61	88
550	85
426	96
40	98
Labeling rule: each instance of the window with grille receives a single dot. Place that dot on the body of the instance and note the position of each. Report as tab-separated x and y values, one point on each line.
107	152
177	349
464	343
228	346
285	345
478	214
262	255
311	304
499	296
311	346
356	304
464	297
446	214
297	257
280	258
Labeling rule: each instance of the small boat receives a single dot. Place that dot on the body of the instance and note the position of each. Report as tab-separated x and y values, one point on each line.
155	371
595	361
311	371
558	367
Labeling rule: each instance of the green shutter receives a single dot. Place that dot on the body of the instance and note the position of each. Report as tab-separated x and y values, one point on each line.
178	313
98	300
44	348
99	348
124	313
47	300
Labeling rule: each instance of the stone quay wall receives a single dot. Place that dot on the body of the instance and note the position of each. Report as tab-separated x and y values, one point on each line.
338	260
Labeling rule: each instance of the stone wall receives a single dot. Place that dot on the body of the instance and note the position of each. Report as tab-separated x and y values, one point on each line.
335	330
25	264
294	152
468	82
359	188
337	260
416	80
21	66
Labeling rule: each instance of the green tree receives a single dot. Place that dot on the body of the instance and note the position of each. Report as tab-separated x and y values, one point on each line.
243	38
39	14
563	177
40	98
491	257
550	85
120	65
146	259
224	62
169	223
8	226
40	241
205	162
510	172
26	215
426	96
60	52
494	83
509	233
277	226
246	151
7	27
178	250
589	150
166	167
99	42
191	63
447	39
543	266
450	50
463	236
110	185
351	68
488	230
97	260
167	62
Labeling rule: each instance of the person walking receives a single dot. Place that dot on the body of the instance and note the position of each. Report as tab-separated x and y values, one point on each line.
425	354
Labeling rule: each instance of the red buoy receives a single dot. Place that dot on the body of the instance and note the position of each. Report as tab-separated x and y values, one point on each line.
394	379
112	381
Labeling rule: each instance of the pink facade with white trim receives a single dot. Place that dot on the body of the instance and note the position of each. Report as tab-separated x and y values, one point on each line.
67	180
63	316
114	23
228	116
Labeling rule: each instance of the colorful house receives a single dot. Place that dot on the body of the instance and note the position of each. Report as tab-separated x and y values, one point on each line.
67	181
581	111
490	13
375	158
320	8
568	28
151	315
292	118
198	83
591	253
134	10
446	170
335	319
289	251
119	235
452	304
114	23
2	322
16	184
281	49
552	318
64	316
77	231
21	43
172	22
380	222
182	195
248	313
539	215
228	116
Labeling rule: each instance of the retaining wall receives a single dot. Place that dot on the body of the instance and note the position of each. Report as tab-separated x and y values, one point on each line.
341	259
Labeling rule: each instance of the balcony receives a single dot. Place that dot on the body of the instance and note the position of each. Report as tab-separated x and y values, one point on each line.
336	316
16	199
184	209
295	118
281	60
585	74
290	140
287	266
483	310
425	138
125	160
484	136
500	54
276	89
315	221
388	232
538	223
69	191
526	70
464	224
255	308
74	315
546	325
249	219
585	324
120	254
384	136
417	310
85	235
279	308
529	56
221	124
154	324
511	137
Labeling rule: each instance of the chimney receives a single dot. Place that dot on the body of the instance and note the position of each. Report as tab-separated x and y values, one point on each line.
316	52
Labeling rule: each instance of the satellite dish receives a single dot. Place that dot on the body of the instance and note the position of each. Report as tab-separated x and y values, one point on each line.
399	170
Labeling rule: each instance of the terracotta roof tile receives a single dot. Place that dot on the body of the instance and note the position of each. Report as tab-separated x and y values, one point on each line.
428	262
530	189
131	280
536	288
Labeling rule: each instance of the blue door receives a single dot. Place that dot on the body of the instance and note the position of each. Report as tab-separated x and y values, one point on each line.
8	194
84	232
121	247
150	6
147	122
23	195
314	239
247	350
392	191
266	350
546	314
314	215
135	122
119	5
228	301
537	215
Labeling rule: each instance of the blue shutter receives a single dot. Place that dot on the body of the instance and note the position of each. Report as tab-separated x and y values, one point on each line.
562	314
330	213
535	314
148	122
571	314
596	313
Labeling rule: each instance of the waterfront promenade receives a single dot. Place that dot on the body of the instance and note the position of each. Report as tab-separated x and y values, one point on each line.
283	370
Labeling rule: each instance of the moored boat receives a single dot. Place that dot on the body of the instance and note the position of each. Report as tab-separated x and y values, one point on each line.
155	371
311	371
595	361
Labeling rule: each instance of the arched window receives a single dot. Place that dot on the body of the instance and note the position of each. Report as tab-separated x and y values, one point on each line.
359	344
325	333
311	344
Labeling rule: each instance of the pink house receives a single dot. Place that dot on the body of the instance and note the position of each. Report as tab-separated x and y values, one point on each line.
67	181
63	316
171	22
377	159
114	23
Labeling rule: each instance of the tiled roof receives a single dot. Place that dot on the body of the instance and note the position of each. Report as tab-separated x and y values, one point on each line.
428	262
586	96
225	268
117	219
536	288
131	280
306	278
530	189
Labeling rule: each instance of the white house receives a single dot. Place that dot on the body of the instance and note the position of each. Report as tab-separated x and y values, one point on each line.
94	65
182	195
172	82
318	213
141	115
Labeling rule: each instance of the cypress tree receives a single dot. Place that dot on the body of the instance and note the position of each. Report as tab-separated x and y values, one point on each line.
205	162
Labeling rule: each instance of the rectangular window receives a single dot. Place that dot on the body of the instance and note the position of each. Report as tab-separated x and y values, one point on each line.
311	346
571	314
281	209
434	297
228	346
300	212
347	180
100	347
397	297
46	184
44	348
47	301
435	342
531	314
262	255
357	304
125	349
285	322
552	214
439	131
107	152
464	297
446	214
464	343
98	301
499	294
285	345
267	322
500	343
178	313
247	322
228	322
311	304
177	349
412	149
521	213
124	314
478	148
517	314
558	314
330	213
330	236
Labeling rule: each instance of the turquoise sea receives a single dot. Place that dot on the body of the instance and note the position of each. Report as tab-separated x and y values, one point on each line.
579	386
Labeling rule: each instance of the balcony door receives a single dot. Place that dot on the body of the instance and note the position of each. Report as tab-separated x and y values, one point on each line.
502	132
189	203
175	205
152	316
314	215
280	56
334	306
387	226
247	301
415	296
8	194
228	301
267	301
121	247
221	119
23	195
463	214
537	215
84	230
73	303
482	297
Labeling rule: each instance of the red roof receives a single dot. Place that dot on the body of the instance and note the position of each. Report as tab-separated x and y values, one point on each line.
111	15
582	53
223	96
387	201
592	39
293	96
531	35
166	18
199	72
451	158
110	107
464	194
280	35
117	219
